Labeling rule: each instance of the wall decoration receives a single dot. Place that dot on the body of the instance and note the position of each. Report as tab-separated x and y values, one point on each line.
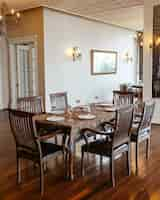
103	62
74	52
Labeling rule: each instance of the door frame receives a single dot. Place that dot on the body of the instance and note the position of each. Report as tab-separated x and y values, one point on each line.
11	43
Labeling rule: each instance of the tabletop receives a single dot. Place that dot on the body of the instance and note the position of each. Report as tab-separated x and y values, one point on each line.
71	120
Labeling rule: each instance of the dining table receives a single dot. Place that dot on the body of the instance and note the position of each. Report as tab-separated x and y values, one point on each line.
74	122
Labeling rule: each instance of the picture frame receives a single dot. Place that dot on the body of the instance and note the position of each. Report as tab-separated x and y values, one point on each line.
103	62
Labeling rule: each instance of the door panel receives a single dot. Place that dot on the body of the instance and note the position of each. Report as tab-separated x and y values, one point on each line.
23	71
26	85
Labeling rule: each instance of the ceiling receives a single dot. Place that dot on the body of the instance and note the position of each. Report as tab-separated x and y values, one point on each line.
126	13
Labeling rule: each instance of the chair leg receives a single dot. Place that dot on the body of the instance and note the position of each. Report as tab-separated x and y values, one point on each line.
45	167
41	178
128	161
88	156
56	139
112	174
82	163
147	148
137	156
101	162
66	168
63	143
18	170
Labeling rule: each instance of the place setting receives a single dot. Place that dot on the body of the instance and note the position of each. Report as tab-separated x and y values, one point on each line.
106	107
75	113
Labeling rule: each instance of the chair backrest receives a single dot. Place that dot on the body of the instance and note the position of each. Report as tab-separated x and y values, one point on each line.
58	101
124	118
21	124
31	104
123	98
147	114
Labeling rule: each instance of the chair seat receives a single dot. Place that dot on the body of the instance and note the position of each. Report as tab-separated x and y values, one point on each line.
101	147
46	147
47	130
50	148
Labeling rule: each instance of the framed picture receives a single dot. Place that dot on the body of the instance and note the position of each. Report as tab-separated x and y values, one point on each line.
103	62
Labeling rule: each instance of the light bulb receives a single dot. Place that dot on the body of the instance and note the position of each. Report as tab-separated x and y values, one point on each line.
139	34
1	17
12	11
18	15
141	43
158	41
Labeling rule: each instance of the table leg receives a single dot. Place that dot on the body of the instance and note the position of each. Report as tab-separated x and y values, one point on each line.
71	158
72	151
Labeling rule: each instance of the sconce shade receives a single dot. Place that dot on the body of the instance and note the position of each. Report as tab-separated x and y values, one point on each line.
76	53
128	58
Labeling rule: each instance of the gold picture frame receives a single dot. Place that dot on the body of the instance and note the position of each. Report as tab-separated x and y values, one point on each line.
103	62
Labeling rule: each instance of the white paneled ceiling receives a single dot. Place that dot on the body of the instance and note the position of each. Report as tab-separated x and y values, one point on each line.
127	13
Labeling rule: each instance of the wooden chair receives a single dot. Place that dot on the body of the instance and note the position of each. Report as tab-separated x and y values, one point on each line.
29	145
142	131
59	101
32	104
123	97
115	142
138	90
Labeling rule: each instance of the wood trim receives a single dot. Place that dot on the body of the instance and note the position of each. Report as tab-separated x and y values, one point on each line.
4	110
155	124
17	40
92	61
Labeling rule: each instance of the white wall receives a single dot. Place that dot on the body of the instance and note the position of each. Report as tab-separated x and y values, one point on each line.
148	32
63	31
3	75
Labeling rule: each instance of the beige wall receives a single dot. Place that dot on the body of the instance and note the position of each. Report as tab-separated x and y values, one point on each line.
31	24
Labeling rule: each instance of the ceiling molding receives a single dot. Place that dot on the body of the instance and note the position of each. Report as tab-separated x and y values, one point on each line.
62	11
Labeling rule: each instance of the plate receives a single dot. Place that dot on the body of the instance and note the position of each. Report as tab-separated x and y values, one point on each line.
86	117
105	105
55	119
57	112
111	109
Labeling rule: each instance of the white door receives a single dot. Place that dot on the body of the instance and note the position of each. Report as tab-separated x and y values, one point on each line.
26	70
23	71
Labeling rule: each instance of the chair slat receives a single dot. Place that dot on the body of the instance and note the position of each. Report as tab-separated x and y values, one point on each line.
31	104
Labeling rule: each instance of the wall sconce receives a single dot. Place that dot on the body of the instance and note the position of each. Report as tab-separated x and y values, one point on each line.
158	41
74	52
139	39
151	44
128	58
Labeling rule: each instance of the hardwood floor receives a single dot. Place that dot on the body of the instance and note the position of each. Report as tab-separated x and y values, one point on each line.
95	185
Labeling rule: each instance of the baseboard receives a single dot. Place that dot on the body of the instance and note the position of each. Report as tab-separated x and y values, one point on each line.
155	124
4	109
